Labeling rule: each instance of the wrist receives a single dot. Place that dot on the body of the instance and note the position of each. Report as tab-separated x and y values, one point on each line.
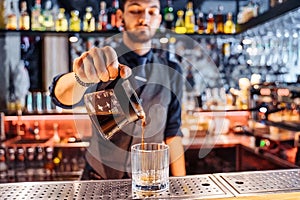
81	83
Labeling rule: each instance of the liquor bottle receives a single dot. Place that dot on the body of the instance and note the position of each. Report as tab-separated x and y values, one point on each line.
36	17
20	165
113	14
3	166
24	22
48	21
11	158
11	17
49	165
2	15
219	21
57	160
179	25
102	18
201	23
39	163
61	23
169	15
89	20
29	163
229	26
210	27
75	21
189	18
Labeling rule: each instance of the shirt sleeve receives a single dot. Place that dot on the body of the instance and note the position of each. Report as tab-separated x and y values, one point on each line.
174	110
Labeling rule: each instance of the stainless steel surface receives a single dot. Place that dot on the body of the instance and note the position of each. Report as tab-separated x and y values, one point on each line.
189	187
258	182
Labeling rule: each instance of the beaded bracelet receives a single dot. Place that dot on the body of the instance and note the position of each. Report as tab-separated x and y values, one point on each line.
82	83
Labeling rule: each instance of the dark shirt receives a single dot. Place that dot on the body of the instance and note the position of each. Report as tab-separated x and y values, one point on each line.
161	100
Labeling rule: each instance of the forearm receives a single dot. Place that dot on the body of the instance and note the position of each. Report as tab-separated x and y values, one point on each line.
67	90
177	161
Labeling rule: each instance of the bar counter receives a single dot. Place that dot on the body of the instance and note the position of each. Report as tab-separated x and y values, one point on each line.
271	184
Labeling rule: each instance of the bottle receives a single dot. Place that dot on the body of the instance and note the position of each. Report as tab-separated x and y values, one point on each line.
201	23
29	163
49	165
20	165
102	18
189	18
11	17
61	23
24	22
229	26
210	28
48	21
3	166
75	21
179	25
169	15
2	15
113	14
36	17
11	158
57	160
220	21
89	20
39	163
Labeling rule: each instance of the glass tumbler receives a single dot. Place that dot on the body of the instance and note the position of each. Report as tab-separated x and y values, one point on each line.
150	167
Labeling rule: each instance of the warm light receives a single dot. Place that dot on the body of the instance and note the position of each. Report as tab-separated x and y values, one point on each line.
247	41
172	40
164	40
265	91
73	39
263	109
283	92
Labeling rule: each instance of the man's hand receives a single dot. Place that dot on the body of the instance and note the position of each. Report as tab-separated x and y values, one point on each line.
99	64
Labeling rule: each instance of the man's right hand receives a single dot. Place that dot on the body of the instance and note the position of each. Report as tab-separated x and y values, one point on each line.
99	64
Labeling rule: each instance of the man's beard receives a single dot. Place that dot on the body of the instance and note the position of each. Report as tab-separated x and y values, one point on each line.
139	37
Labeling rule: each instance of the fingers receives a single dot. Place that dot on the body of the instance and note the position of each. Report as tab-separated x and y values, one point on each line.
97	64
112	62
125	71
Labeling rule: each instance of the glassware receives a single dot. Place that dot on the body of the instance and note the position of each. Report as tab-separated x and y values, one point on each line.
179	25
210	27
24	20
102	18
229	26
37	17
112	109
75	22
150	167
169	15
89	20
11	17
189	18
61	23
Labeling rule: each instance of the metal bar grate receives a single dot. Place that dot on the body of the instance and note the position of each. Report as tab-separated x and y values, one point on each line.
201	186
261	181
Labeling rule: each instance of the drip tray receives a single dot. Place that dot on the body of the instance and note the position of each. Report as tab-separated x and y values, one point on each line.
197	186
201	186
273	181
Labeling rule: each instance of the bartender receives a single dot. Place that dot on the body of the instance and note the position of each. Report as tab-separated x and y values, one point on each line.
97	67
